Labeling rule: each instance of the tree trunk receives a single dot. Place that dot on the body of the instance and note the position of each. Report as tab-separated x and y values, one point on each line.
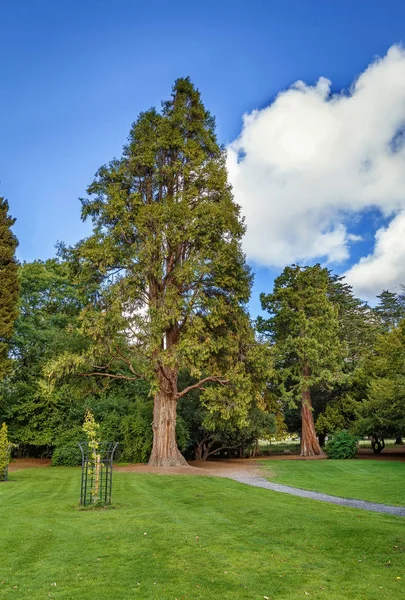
165	452
198	451
309	442
206	452
321	439
398	441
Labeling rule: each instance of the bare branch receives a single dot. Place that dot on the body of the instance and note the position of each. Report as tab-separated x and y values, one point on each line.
222	448
126	360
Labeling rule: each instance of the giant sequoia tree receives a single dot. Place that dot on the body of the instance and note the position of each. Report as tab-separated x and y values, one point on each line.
166	247
305	331
8	283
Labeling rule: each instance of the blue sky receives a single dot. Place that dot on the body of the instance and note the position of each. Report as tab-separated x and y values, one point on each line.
74	75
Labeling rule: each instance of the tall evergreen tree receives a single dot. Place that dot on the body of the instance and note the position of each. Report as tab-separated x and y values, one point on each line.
305	330
8	284
390	309
382	412
358	328
357	321
166	245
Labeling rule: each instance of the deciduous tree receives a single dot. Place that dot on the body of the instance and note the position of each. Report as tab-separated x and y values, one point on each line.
46	326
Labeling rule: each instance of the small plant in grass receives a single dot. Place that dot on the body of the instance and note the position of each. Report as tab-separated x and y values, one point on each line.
92	430
343	445
4	452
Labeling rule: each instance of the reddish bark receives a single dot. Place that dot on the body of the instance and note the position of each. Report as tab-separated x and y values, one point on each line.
165	452
309	442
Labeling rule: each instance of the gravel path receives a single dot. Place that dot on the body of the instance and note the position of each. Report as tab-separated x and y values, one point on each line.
258	481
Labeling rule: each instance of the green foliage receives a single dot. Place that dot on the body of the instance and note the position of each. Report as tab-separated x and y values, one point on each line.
4	452
175	250
358	326
166	252
95	465
336	405
9	285
390	310
305	329
208	432
382	413
67	453
136	433
339	414
92	432
342	445
46	327
38	414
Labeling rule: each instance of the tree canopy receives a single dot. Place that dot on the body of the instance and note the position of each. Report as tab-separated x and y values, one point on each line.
382	412
304	328
9	284
390	309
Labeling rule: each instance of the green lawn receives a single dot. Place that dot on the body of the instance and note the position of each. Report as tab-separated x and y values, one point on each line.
190	538
373	480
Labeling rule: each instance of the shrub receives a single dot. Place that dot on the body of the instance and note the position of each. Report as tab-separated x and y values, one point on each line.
68	455
136	433
67	452
343	445
4	452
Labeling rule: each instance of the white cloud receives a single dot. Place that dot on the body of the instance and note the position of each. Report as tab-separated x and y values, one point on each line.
306	165
385	268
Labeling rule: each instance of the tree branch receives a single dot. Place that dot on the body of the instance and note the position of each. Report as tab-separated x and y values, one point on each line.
199	385
126	360
112	375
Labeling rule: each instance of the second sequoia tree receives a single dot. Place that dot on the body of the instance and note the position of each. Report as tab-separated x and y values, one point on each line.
304	328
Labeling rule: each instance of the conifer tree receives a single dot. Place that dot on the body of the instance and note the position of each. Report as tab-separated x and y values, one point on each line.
390	309
305	331
358	325
8	284
382	412
166	247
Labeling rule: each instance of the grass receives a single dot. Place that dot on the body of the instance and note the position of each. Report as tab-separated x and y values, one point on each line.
174	537
373	480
